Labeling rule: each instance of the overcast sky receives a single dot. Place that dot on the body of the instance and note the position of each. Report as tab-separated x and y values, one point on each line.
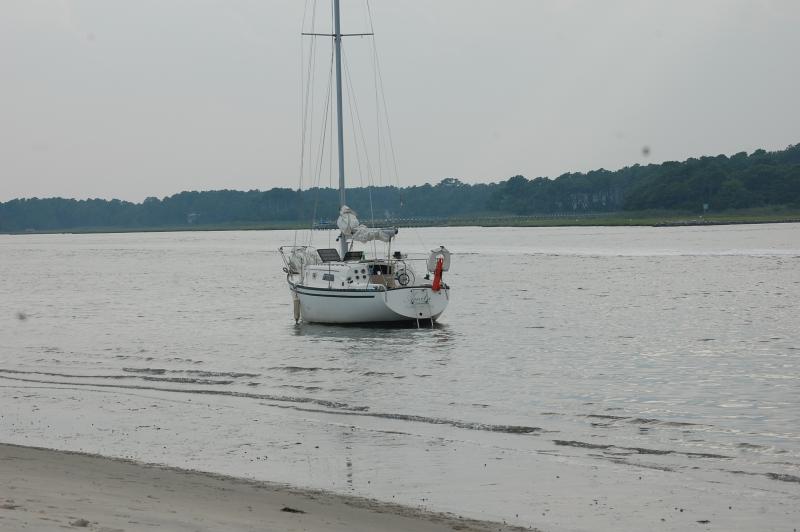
128	99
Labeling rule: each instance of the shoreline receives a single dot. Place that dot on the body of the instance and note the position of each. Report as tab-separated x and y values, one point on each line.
48	489
509	222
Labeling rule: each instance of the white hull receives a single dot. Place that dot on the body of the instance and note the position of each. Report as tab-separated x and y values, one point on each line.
320	305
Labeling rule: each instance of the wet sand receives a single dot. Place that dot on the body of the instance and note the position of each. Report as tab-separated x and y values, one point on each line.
47	490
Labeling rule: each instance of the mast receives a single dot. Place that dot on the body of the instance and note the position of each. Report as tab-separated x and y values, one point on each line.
337	38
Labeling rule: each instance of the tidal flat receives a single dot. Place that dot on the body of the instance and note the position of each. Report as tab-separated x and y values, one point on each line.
582	378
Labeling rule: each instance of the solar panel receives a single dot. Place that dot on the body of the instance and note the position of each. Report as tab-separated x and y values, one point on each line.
329	255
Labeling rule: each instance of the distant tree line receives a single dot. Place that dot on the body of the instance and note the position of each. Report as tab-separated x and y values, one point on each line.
759	179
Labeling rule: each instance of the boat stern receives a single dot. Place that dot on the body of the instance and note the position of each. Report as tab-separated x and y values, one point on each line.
420	303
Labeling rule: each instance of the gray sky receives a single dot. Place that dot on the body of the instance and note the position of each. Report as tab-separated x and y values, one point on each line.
127	99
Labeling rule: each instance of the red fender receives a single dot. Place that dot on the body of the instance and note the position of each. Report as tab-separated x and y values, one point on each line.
437	275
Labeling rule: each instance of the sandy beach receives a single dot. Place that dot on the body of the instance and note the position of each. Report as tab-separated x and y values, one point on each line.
44	490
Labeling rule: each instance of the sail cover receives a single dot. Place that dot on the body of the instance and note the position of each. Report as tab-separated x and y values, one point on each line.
350	226
366	234
348	221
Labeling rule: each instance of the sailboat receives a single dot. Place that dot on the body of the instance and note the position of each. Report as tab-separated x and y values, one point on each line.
349	285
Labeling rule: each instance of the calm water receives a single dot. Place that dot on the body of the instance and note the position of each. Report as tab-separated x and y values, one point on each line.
669	351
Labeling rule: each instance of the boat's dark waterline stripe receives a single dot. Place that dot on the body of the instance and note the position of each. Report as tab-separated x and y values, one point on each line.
361	290
331	295
316	288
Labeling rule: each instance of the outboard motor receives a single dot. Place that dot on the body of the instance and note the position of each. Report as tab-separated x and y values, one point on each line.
438	262
436	254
